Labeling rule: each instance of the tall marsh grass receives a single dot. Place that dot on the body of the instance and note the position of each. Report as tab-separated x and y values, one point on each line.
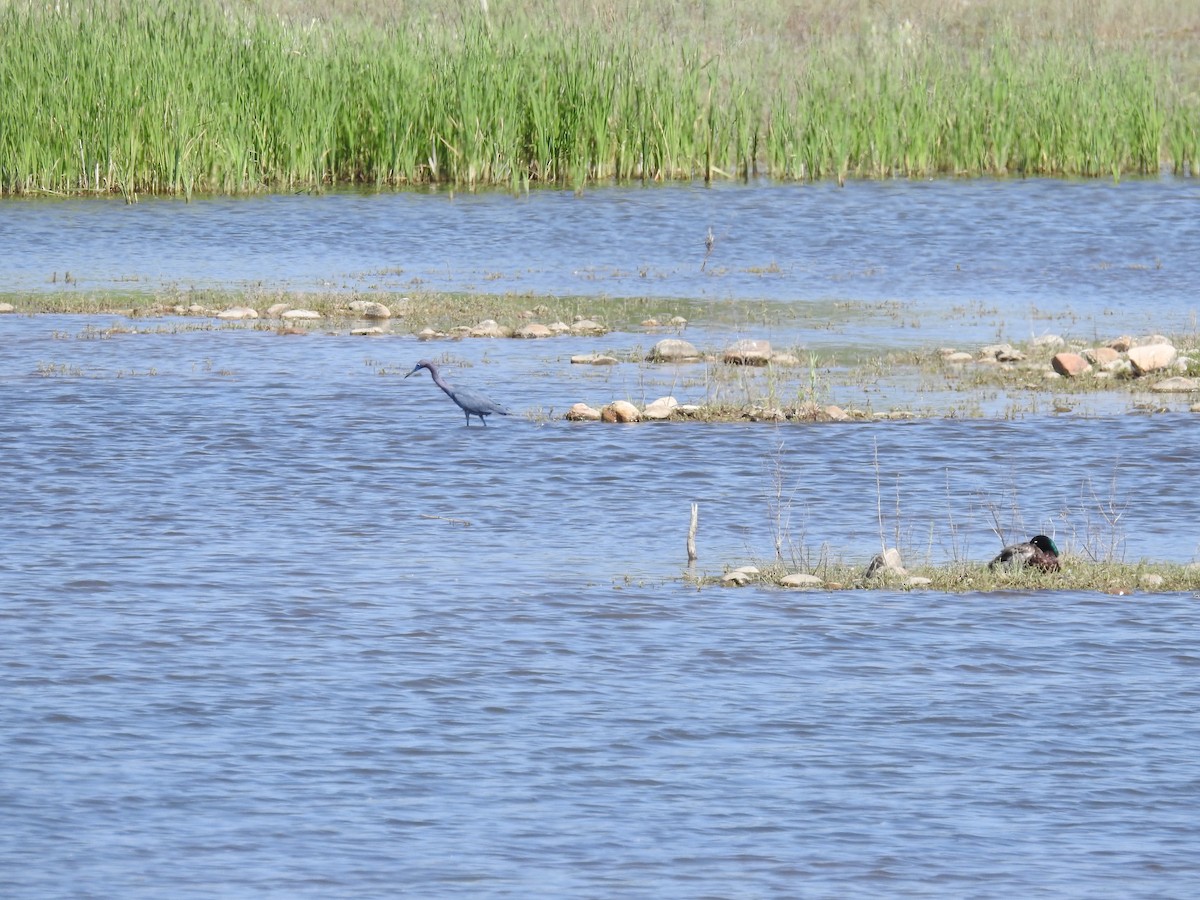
184	96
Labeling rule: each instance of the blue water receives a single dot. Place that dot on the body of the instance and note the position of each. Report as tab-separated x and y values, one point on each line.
1084	250
275	623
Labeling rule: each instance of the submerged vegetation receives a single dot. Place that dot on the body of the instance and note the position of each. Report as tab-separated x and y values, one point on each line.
187	96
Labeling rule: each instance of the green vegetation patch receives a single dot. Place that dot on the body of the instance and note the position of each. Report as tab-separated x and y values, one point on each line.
187	96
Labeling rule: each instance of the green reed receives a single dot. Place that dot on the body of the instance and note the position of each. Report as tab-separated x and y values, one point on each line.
183	97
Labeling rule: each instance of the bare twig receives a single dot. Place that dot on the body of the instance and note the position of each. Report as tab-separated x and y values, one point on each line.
691	538
463	522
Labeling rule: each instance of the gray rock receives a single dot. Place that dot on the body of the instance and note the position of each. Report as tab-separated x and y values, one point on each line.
1176	385
275	310
533	331
593	359
886	563
674	350
748	352
587	326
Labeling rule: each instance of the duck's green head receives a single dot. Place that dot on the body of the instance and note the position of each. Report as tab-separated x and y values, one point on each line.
1045	544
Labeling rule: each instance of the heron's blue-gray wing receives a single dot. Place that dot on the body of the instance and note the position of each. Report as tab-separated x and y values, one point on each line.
476	403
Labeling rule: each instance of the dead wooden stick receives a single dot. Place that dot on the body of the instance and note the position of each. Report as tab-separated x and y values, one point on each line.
691	541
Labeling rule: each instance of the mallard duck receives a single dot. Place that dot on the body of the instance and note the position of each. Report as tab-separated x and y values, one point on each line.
1038	552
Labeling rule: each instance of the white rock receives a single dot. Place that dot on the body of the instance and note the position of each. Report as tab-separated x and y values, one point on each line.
367	332
919	581
301	314
1177	385
275	310
887	562
6	307
1052	341
238	312
490	328
593	359
662	408
1149	579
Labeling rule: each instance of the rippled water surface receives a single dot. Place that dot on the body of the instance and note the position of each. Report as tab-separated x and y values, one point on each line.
275	623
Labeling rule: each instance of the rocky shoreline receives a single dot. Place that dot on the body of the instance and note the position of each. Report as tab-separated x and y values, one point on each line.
1152	364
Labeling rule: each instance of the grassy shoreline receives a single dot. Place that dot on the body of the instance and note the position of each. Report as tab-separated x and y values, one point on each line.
114	96
1105	577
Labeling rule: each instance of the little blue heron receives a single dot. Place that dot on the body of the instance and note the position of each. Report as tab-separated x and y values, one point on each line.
471	402
1038	552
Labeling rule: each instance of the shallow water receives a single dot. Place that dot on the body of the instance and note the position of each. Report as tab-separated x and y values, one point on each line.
277	624
1034	250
